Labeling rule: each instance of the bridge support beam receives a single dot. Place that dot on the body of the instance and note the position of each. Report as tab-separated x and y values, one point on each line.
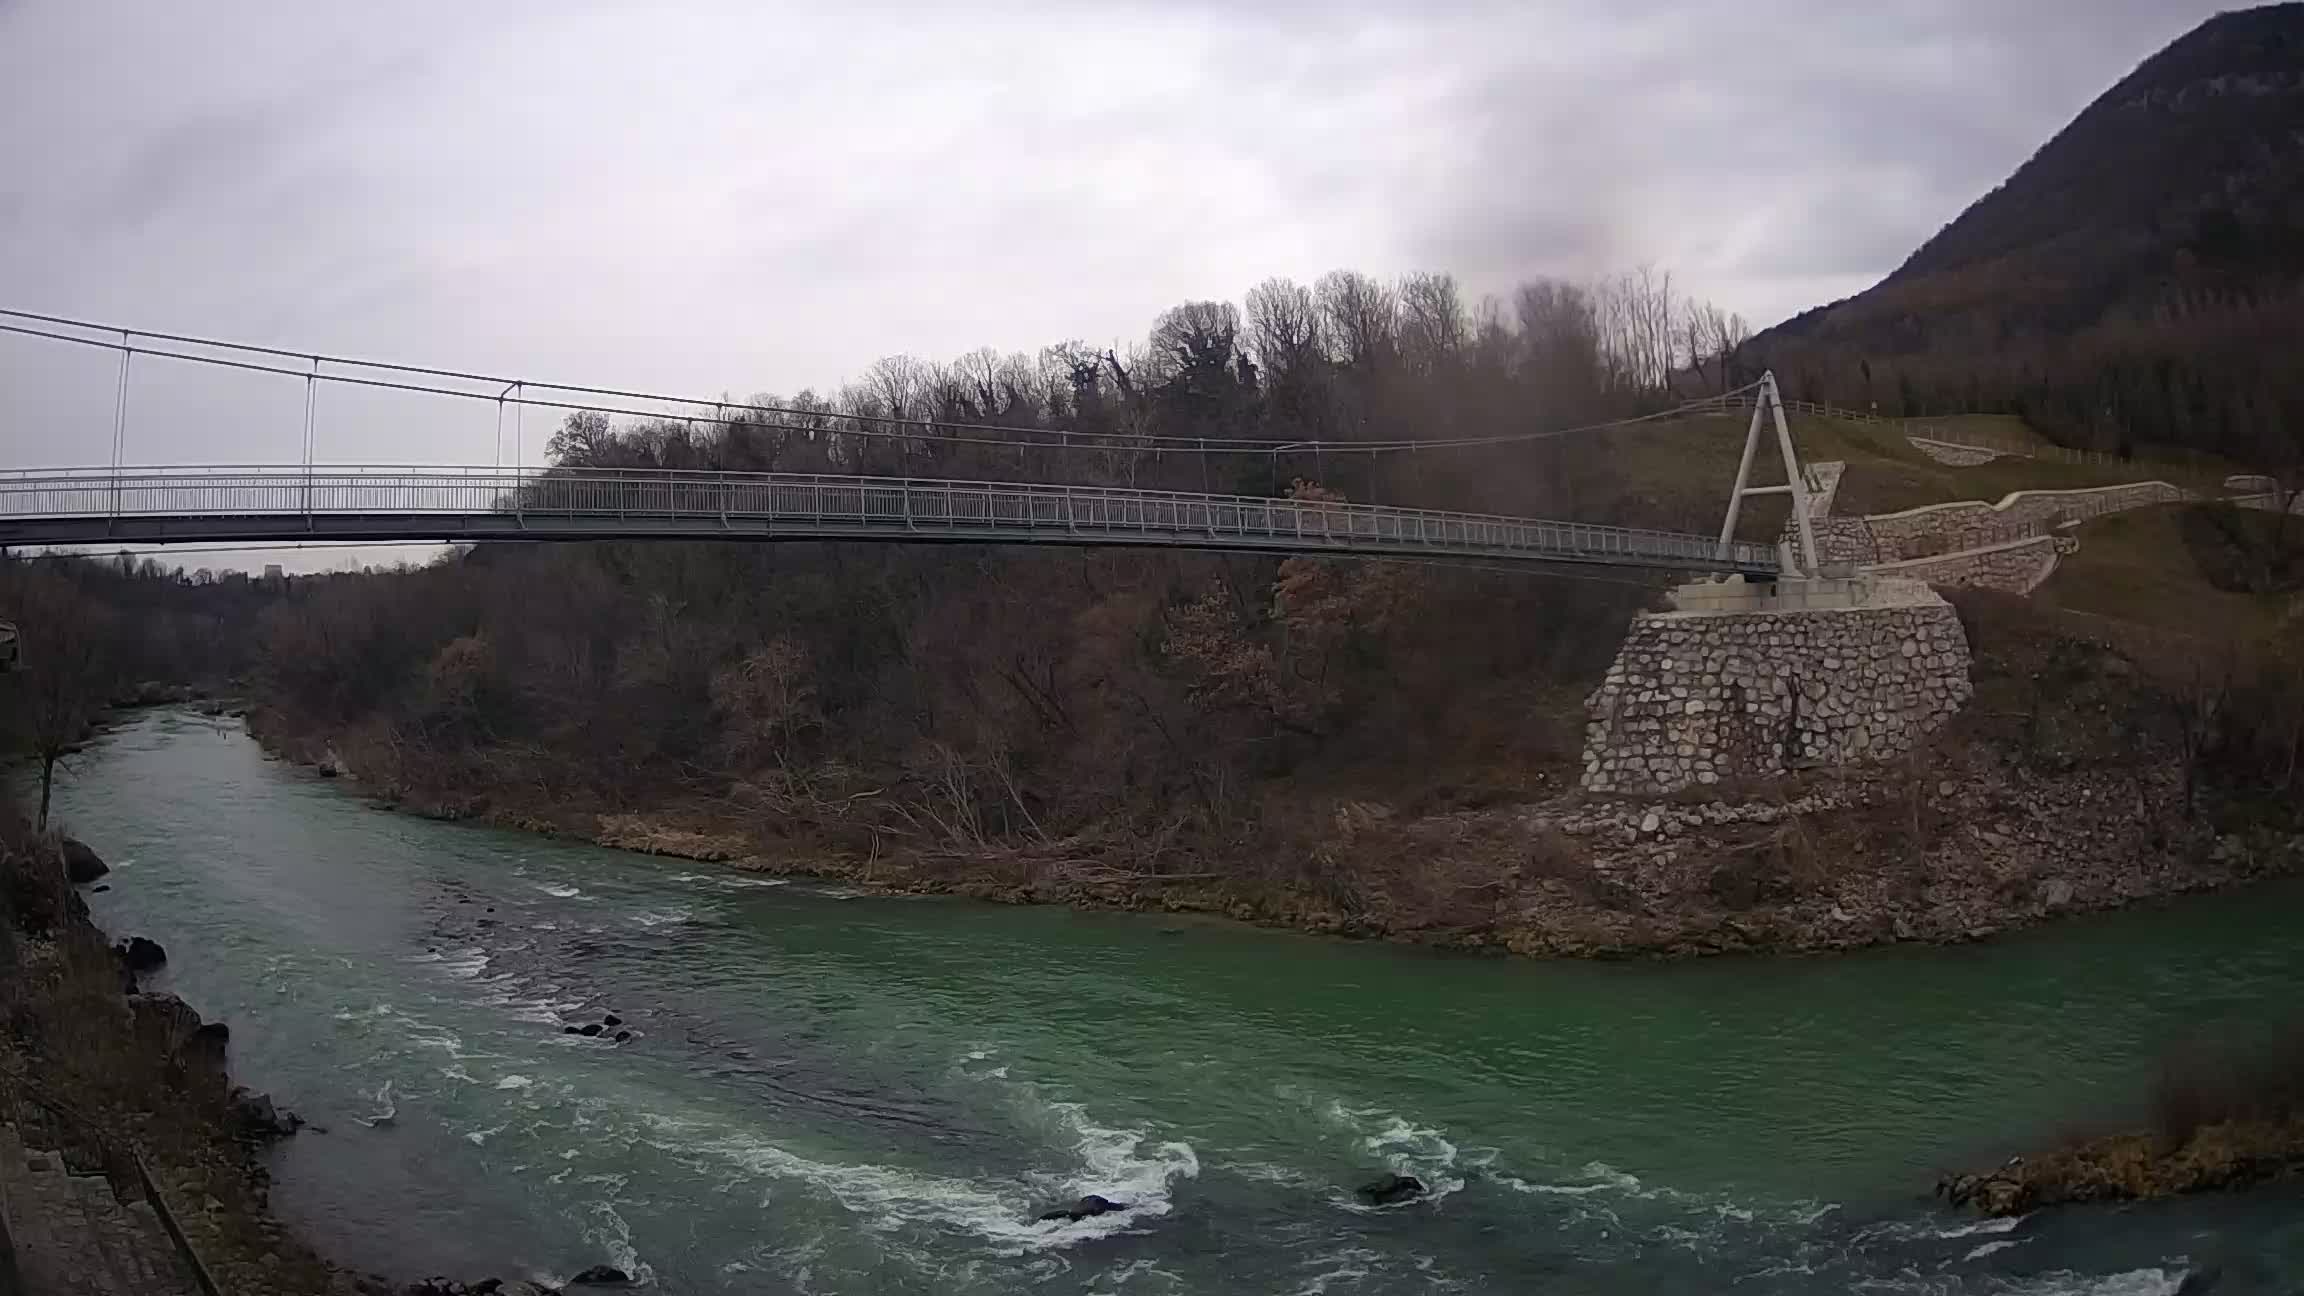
1768	404
1746	680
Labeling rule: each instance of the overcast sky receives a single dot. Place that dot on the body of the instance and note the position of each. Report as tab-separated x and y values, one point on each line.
743	197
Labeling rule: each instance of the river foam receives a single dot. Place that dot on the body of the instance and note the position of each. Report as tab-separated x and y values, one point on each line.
1112	1162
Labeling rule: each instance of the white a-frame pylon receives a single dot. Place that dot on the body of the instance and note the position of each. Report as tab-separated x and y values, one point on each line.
1766	402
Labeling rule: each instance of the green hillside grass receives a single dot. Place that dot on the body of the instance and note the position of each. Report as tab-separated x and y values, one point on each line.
1999	429
2138	567
1676	474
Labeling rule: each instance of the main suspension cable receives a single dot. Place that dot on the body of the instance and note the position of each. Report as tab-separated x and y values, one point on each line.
817	422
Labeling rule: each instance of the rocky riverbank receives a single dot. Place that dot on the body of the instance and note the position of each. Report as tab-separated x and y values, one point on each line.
2222	1115
1964	839
2135	1166
108	1075
2078	776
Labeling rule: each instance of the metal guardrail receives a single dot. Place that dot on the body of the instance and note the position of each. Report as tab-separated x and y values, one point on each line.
159	504
1965	439
1740	403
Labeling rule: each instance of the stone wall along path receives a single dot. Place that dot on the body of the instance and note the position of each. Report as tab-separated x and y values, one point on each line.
73	1238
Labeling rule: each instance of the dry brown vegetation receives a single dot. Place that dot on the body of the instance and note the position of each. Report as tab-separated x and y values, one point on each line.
1141	717
2223	1115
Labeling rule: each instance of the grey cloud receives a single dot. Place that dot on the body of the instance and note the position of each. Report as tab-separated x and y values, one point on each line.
1850	134
177	161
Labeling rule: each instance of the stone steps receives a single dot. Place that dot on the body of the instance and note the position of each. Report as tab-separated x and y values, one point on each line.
73	1238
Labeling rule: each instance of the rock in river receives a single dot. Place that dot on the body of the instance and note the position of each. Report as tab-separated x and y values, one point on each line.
601	1276
81	865
1087	1207
259	1116
139	955
1391	1189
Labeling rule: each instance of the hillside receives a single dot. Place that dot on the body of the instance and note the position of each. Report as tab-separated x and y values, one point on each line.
2138	282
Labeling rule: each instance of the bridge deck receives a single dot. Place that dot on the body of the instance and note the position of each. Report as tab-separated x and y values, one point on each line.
175	504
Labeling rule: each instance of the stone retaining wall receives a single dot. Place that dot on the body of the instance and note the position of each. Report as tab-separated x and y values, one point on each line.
1698	697
2270	502
1944	528
1844	540
1823	480
1958	456
2017	567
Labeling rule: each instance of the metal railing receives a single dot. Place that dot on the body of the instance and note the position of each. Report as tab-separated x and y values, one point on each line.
95	505
2015	448
1742	402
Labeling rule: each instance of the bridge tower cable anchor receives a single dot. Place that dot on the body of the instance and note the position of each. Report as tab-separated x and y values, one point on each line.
519	454
311	399
120	424
1768	404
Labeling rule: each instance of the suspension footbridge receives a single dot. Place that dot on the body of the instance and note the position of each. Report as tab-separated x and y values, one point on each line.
122	503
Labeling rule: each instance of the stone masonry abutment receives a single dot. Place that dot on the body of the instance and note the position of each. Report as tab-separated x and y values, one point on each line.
1741	682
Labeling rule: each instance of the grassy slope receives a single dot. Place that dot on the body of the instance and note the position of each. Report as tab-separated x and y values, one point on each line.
2133	567
2137	567
2004	429
1677	474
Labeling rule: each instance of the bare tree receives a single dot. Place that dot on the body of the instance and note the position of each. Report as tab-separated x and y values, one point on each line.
67	679
1196	339
1283	328
582	440
1637	330
1433	322
1560	344
1359	318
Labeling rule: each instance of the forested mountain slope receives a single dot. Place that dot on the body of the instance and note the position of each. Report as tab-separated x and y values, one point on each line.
2139	281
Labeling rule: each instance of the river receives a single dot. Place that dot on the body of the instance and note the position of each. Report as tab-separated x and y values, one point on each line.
831	1093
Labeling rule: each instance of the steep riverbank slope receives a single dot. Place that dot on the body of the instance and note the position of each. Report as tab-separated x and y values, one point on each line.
122	1082
89	1068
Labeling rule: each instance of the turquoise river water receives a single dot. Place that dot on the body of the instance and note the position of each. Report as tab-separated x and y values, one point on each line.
831	1093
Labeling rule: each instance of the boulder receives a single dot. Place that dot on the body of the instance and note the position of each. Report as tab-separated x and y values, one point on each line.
1999	1193
167	1018
1087	1207
260	1117
611	1020
81	865
622	1036
601	1276
1391	1190
204	1047
139	955
590	1030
